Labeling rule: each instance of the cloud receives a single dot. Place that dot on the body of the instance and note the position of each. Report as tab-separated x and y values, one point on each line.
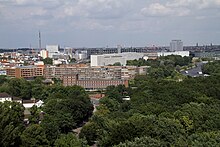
196	4
119	16
100	9
157	9
92	25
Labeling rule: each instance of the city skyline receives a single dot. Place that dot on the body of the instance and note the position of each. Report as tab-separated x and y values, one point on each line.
101	23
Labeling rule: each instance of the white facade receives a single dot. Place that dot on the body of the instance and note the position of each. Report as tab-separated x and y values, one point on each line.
39	63
31	104
44	54
3	99
110	59
176	45
181	53
82	56
52	50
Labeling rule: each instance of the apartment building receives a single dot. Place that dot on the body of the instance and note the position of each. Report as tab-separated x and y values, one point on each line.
93	78
84	73
93	84
25	71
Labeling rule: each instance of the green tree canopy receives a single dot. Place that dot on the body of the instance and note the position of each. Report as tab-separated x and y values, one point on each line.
48	61
11	123
34	135
70	140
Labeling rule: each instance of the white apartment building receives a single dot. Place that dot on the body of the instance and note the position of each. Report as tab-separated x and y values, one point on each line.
44	54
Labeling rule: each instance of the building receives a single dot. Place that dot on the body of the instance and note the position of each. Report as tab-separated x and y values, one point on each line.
110	59
92	78
52	50
180	53
70	80
6	97
25	71
83	72
30	103
176	45
44	54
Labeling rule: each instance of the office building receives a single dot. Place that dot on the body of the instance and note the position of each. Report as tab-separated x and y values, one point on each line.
176	45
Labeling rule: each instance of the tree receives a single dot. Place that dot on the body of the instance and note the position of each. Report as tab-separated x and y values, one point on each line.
34	117
26	89
70	109
11	123
89	132
34	135
141	142
72	60
48	61
205	139
3	79
15	87
69	140
117	64
20	88
52	130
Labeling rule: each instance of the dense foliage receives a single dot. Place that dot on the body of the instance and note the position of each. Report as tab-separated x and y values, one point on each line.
65	109
171	60
48	61
164	67
212	68
160	113
11	123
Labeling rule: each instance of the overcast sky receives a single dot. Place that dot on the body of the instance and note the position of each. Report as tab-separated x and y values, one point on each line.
102	23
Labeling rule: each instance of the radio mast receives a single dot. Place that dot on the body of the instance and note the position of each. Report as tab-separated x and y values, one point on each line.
39	40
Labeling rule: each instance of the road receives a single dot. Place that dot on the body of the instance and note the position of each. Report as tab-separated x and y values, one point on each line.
194	72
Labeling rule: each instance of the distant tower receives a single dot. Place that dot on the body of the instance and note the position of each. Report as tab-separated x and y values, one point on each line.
176	45
119	47
39	40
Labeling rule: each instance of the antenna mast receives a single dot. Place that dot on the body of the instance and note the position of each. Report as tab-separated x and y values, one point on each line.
39	40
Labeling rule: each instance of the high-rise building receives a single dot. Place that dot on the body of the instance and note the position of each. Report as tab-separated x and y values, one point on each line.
52	50
176	45
44	54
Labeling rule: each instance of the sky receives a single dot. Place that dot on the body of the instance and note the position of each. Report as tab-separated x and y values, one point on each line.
108	23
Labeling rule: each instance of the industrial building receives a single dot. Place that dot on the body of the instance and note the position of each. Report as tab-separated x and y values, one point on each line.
110	59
